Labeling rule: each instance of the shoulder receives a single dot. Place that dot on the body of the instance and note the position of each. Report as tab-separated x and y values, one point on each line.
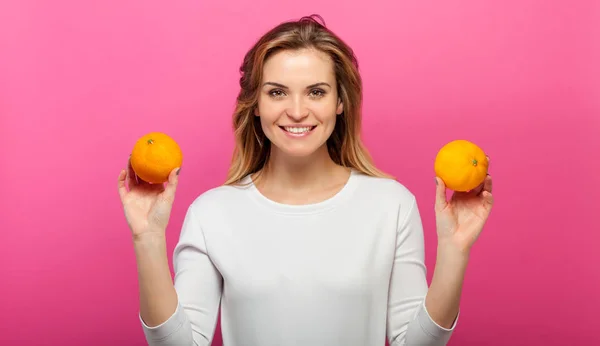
212	209
385	189
387	197
218	198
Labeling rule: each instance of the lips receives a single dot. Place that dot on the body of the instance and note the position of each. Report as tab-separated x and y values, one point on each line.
297	130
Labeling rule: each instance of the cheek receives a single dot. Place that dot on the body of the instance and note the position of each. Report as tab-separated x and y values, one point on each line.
269	111
331	125
326	114
265	124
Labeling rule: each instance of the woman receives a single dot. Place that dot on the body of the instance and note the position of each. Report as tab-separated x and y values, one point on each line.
307	242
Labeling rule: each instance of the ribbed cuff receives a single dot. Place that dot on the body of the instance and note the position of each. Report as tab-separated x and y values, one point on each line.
167	328
433	329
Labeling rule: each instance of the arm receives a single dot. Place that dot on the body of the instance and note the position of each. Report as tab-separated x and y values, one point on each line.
410	321
443	298
459	223
158	299
183	313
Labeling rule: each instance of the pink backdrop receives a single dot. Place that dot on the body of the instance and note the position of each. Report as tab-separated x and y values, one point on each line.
80	81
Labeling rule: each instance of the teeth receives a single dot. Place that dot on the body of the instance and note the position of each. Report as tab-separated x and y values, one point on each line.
297	129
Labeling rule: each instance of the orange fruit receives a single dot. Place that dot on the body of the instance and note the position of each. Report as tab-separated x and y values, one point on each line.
462	165
154	156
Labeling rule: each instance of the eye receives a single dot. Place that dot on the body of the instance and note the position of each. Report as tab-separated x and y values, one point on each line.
317	93
276	93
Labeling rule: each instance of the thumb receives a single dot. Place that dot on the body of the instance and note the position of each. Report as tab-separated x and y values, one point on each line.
440	195
171	186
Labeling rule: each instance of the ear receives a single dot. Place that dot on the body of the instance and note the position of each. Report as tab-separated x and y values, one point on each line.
340	107
256	112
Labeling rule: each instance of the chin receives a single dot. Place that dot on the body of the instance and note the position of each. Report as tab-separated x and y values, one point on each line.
297	151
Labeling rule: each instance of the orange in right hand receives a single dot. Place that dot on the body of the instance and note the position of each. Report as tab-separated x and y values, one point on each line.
154	156
462	165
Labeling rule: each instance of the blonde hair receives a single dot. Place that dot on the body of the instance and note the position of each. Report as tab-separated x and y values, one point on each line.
252	147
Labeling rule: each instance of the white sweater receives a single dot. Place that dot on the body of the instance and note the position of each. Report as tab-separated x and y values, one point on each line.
348	271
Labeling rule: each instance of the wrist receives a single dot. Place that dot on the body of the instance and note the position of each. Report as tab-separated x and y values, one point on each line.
151	252
149	236
449	247
150	241
451	259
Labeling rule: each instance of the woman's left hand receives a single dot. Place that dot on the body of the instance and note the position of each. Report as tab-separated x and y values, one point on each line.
460	220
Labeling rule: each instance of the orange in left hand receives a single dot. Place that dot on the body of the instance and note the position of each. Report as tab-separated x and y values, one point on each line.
462	165
154	156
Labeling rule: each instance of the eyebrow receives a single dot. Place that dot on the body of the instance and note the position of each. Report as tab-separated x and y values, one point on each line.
308	87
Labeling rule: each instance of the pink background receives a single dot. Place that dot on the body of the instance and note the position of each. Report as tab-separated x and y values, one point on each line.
80	81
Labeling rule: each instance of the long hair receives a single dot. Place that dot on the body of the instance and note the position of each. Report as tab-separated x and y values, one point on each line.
252	147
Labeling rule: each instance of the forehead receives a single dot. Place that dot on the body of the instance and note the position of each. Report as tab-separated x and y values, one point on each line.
299	65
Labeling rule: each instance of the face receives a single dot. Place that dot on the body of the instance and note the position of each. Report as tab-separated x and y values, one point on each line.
298	101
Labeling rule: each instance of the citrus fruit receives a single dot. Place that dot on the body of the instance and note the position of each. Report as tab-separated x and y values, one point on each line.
154	156
462	165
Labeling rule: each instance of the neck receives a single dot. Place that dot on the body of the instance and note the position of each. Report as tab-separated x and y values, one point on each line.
300	174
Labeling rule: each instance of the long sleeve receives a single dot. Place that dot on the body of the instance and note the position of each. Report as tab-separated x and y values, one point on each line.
198	284
408	321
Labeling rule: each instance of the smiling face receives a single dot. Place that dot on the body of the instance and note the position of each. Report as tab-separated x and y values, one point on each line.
298	102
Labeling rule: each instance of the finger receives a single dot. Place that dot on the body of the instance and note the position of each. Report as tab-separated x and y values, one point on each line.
440	195
131	177
487	184
171	186
488	199
484	186
122	185
157	187
476	191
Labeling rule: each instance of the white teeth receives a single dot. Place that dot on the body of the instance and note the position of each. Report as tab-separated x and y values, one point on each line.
297	129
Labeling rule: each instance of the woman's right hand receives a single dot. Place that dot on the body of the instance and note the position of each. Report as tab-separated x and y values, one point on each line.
147	206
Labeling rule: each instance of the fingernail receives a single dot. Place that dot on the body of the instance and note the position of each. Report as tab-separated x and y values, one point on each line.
178	170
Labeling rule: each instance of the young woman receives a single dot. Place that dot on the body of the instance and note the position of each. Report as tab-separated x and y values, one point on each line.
307	243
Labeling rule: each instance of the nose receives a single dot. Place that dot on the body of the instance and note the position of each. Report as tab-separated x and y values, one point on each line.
297	110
